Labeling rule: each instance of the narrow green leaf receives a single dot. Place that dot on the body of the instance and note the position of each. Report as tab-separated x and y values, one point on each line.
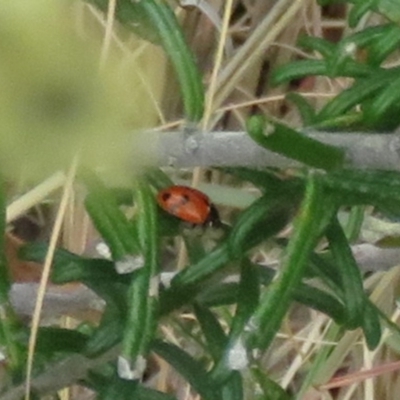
384	44
191	369
52	340
212	331
270	389
157	178
134	18
386	101
109	220
322	267
107	334
69	267
353	291
341	61
298	70
365	38
218	294
196	273
365	187
319	300
351	69
354	223
264	218
195	247
356	94
265	180
110	388
248	297
292	144
143	292
313	43
174	44
392	326
371	326
390	9
359	9
184	286
305	109
314	215
235	356
233	387
114	387
348	122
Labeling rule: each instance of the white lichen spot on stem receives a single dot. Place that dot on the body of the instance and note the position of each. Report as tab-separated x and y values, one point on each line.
129	263
131	372
237	358
350	49
103	250
166	278
191	144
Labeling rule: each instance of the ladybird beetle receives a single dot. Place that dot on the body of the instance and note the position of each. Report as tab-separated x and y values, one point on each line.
188	204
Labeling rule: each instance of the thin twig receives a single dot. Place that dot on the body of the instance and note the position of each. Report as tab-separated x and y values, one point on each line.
35	196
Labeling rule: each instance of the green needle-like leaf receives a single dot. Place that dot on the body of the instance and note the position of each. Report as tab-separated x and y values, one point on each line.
292	144
353	291
191	369
109	220
143	292
314	215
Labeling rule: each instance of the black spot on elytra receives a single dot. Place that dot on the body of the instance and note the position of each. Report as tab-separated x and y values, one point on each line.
185	198
165	196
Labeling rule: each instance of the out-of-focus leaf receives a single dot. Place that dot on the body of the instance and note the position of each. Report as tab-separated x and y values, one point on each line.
354	297
305	109
323	46
52	340
270	389
356	94
212	331
54	102
297	70
390	9
189	368
264	218
371	326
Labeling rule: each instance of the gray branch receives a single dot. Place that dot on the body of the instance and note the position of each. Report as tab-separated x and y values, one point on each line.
221	149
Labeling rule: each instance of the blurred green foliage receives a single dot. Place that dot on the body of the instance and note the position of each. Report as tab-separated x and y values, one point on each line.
371	102
54	101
